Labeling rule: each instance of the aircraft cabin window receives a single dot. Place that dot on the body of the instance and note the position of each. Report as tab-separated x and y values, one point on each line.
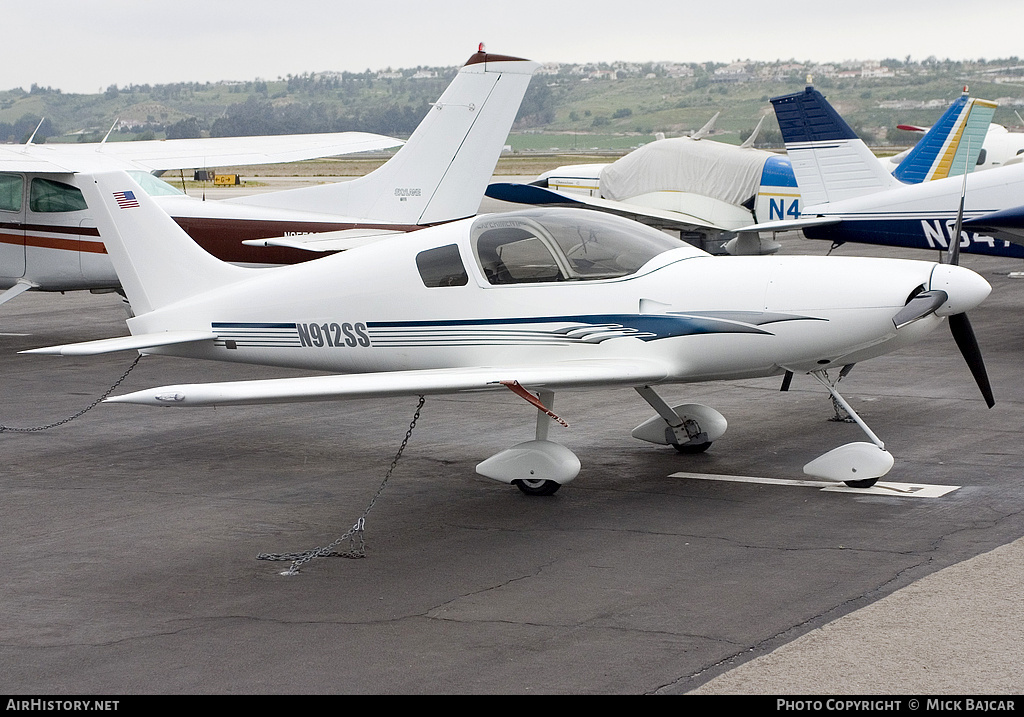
511	255
153	186
11	189
47	195
564	245
442	267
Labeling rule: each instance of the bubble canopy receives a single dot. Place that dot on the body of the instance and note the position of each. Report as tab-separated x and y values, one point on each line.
564	245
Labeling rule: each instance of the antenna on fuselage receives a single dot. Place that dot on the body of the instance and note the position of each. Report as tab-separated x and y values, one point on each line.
33	135
102	141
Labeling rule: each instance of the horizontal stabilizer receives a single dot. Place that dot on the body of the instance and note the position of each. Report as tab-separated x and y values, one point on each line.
124	343
787	225
327	241
662	218
528	194
1006	224
568	374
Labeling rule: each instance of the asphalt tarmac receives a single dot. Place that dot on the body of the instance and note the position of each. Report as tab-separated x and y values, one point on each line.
131	534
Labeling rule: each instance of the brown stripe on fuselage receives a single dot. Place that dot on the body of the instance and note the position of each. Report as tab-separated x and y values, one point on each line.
54	228
52	242
223	237
220	237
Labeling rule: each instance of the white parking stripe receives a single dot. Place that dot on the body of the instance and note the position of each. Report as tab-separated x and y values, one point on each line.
903	490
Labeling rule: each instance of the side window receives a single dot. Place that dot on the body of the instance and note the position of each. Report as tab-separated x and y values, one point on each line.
442	267
513	255
47	195
11	188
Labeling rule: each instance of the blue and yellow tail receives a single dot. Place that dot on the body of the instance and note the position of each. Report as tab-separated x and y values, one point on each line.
952	145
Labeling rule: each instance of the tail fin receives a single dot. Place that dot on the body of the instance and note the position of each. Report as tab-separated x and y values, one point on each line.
952	143
829	160
156	262
441	173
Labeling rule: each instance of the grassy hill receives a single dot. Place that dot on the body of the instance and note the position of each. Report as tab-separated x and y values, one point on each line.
571	108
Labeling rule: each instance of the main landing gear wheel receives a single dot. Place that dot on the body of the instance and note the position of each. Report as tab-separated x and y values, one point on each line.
691	448
863	483
537	487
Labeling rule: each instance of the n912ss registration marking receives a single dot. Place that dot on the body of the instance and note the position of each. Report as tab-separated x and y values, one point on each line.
332	334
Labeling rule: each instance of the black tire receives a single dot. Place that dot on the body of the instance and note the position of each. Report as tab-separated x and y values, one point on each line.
692	448
862	483
537	487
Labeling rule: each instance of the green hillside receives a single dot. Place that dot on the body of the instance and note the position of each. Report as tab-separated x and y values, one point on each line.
609	108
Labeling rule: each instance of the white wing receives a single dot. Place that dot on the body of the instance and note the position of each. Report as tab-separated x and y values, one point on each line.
341	240
170	154
567	374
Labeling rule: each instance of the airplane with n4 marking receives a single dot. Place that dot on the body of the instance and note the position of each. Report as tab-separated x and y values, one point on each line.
532	302
710	192
49	240
848	197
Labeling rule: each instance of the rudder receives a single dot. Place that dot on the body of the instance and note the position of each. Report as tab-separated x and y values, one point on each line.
829	160
441	172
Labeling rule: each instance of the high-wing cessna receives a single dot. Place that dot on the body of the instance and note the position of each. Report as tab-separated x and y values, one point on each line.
49	240
849	197
708	190
540	299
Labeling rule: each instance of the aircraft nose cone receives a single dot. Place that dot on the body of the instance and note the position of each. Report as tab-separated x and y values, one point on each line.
965	289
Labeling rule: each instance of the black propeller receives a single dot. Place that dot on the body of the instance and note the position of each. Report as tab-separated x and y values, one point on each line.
963	334
927	302
959	324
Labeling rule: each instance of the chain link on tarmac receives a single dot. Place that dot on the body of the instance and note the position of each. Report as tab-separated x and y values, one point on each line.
98	401
355	533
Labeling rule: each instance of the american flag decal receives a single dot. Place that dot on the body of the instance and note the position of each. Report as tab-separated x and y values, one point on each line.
126	200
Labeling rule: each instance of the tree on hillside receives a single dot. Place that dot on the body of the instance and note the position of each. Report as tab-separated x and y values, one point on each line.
187	128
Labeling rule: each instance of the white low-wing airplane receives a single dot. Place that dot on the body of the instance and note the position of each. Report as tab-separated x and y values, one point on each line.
540	299
49	240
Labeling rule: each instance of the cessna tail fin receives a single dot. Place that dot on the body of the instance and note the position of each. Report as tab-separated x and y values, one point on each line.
952	143
440	174
156	262
829	160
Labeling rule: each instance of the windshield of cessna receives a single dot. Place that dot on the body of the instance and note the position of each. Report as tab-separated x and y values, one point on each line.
153	186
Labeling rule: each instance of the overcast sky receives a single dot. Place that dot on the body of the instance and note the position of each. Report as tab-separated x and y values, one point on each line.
87	45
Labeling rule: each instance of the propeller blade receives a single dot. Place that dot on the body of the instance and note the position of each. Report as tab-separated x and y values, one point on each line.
920	306
963	334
